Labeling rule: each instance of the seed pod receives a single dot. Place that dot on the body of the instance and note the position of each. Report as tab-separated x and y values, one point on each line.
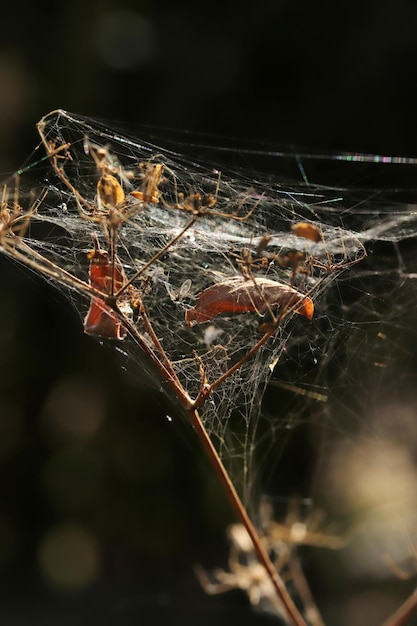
110	191
149	191
307	231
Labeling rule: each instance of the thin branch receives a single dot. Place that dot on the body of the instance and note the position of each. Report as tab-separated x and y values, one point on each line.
291	610
156	256
404	612
210	388
304	590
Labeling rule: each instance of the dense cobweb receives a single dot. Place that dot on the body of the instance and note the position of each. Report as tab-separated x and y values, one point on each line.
183	225
239	230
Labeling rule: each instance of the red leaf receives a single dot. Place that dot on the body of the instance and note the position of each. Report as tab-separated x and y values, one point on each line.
101	320
237	296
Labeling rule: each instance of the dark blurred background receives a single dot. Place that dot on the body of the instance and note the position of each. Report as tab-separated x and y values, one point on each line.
123	487
323	76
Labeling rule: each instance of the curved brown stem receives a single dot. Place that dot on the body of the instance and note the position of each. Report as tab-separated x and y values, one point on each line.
291	610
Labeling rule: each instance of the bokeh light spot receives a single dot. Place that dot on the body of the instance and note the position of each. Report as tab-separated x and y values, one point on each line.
69	558
74	410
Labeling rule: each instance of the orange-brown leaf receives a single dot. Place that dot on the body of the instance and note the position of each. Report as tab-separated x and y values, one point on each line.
241	296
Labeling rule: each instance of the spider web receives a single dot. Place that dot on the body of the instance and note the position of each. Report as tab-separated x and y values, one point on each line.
222	226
